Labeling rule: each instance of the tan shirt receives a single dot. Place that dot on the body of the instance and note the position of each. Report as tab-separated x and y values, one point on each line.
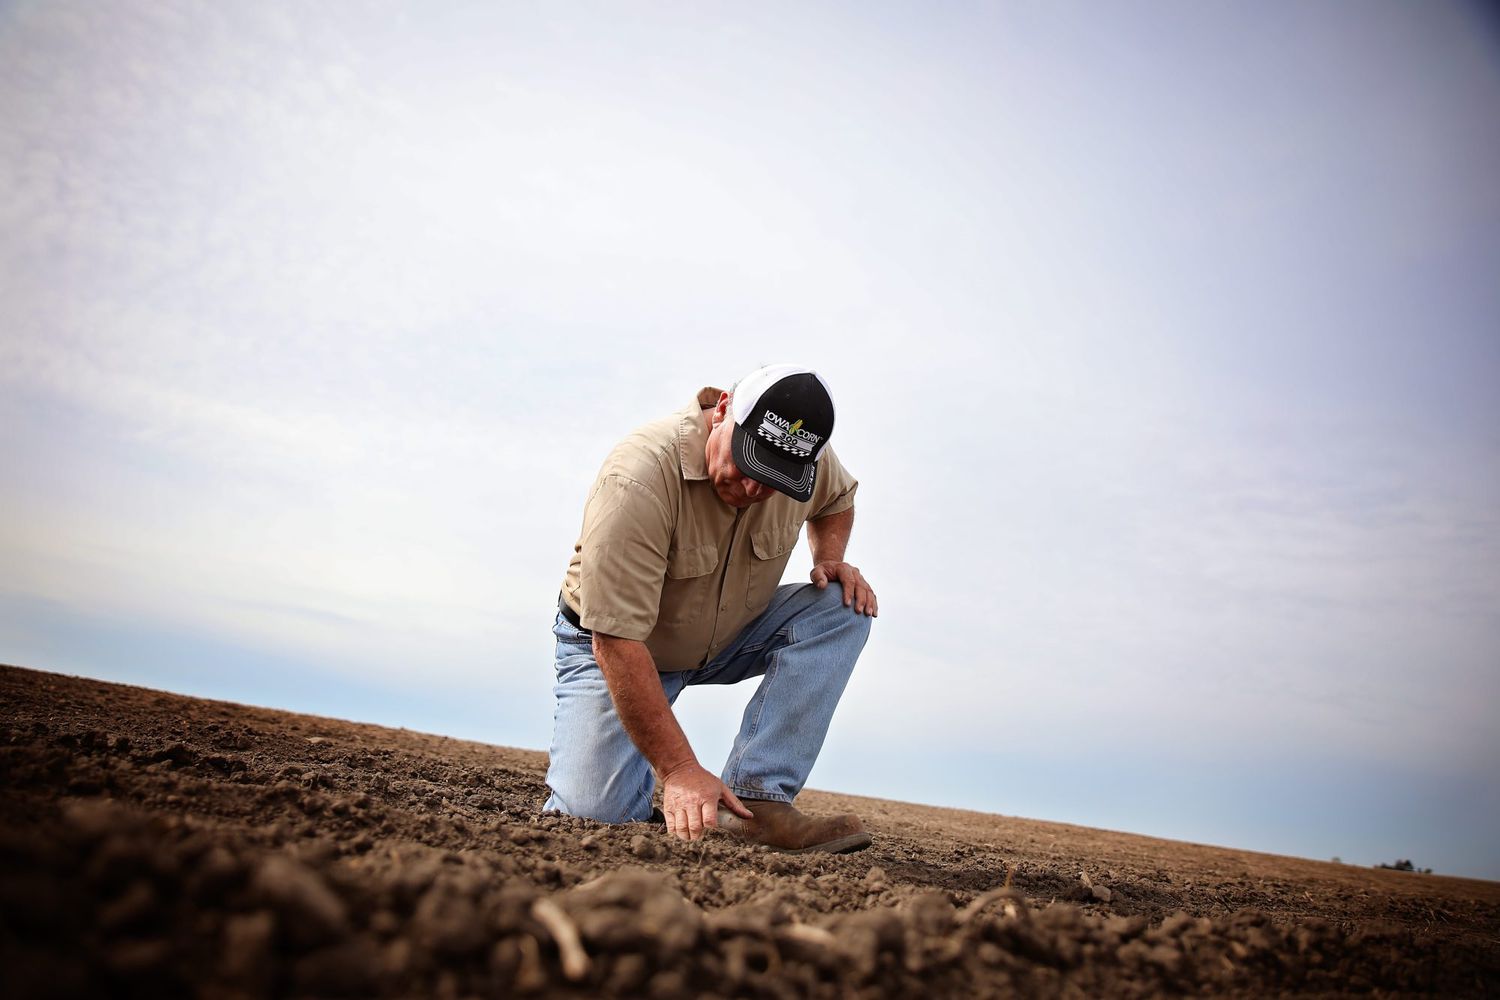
662	559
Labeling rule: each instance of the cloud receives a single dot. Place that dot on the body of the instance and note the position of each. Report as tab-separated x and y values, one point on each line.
1170	404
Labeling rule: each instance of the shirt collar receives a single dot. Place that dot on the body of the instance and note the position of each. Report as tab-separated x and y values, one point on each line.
692	436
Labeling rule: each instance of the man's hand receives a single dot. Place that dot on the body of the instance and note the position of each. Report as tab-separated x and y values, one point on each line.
690	797
857	592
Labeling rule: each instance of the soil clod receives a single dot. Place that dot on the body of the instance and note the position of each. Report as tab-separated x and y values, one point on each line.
225	851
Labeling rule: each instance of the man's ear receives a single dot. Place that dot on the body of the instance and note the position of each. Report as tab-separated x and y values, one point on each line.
721	409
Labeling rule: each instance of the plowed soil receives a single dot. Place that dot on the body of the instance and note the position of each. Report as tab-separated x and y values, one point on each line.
155	845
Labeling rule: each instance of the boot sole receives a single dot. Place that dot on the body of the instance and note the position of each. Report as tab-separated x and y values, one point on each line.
840	845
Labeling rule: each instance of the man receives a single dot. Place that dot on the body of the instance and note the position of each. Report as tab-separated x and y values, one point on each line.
674	581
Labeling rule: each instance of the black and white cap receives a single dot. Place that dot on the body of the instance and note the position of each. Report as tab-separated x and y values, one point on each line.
783	417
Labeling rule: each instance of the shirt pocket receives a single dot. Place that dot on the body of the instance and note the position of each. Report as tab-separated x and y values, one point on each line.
770	550
687	582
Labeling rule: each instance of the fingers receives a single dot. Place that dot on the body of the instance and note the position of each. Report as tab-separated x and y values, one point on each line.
688	816
865	601
690	802
858	594
857	591
851	580
732	801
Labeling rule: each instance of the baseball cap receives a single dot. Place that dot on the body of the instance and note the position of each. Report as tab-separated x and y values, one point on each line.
783	416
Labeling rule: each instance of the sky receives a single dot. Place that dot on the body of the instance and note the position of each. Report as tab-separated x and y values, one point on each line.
1165	340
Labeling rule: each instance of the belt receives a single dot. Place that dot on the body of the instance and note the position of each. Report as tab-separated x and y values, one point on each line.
569	614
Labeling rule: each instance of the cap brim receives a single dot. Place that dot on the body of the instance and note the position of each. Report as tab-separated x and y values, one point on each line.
765	465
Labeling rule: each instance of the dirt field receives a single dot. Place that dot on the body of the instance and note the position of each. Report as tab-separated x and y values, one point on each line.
154	845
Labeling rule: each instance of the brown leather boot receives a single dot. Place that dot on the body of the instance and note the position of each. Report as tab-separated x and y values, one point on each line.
780	826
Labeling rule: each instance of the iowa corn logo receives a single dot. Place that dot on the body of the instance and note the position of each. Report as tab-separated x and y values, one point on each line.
787	435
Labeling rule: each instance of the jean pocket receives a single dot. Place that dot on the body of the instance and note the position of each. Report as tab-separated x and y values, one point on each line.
570	634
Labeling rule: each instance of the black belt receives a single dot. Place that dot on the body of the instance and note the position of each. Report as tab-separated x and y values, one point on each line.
569	614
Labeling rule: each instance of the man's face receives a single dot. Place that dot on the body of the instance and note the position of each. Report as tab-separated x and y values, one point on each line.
733	486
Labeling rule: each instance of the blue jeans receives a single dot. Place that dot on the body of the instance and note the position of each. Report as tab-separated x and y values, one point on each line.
803	648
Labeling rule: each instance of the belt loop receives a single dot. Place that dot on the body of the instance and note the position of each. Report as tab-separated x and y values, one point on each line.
569	615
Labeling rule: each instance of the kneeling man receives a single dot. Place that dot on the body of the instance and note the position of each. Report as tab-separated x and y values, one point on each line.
675	581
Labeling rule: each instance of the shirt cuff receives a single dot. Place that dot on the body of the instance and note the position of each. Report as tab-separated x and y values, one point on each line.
620	628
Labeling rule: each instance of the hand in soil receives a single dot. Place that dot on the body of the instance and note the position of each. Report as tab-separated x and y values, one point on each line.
690	799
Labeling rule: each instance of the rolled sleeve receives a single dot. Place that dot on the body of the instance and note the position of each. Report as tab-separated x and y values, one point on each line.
623	549
835	487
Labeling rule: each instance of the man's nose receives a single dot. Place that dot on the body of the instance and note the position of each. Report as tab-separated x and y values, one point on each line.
754	489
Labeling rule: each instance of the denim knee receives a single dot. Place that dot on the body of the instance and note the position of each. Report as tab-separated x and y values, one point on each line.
831	599
604	805
602	778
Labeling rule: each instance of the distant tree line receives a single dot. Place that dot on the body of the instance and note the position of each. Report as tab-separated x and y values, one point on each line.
1405	866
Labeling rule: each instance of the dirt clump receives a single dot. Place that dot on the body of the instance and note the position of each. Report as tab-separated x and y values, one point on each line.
157	845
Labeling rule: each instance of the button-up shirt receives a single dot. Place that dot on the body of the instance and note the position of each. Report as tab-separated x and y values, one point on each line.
662	559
